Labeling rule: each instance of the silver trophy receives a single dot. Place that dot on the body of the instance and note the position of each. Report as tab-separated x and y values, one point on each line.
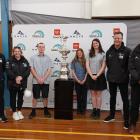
64	70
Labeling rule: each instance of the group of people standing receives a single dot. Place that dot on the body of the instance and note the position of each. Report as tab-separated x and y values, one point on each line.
88	73
121	64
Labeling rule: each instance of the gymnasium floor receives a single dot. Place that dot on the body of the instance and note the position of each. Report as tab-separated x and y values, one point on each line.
82	127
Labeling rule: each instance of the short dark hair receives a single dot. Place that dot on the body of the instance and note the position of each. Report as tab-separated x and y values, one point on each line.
116	33
39	44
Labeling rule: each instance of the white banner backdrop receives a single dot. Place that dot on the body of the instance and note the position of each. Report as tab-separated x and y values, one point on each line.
79	35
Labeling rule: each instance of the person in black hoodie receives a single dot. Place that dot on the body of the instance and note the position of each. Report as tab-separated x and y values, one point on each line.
118	76
18	70
2	69
134	68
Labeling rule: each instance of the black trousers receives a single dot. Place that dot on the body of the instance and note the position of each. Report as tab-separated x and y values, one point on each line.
123	87
16	98
1	98
135	103
81	91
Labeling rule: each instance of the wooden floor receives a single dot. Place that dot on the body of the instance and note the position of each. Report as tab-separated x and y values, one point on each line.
82	127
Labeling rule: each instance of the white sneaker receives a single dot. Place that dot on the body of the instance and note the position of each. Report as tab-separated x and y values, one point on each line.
16	116
20	115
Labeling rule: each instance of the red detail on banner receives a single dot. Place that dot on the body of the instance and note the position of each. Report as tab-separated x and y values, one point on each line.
57	32
76	45
116	30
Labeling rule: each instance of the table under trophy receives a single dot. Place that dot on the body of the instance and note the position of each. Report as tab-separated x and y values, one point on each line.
63	87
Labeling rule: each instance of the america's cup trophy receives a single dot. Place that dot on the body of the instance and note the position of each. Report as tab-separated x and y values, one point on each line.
64	70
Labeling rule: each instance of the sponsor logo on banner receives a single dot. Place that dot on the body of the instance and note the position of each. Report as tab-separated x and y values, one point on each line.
56	61
56	73
38	34
76	45
20	34
96	33
76	34
116	30
22	46
56	47
57	33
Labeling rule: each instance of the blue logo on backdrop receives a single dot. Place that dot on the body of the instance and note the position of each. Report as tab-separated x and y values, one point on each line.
22	46
56	73
56	47
39	34
96	33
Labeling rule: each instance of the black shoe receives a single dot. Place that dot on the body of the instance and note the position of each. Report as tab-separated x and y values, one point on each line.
126	125
32	115
47	113
109	119
78	111
4	119
98	114
93	114
82	112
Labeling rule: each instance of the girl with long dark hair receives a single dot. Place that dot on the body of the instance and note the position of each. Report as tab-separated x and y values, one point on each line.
95	65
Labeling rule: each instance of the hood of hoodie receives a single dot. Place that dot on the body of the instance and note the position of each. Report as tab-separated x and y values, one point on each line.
137	49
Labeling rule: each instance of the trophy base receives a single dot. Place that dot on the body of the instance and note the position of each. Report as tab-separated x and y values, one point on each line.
65	77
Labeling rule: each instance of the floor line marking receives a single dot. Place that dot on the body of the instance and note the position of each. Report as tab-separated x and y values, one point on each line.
81	119
2	138
69	133
136	138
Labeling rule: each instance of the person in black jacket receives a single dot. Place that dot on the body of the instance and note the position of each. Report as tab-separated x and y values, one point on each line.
134	68
18	70
118	76
2	69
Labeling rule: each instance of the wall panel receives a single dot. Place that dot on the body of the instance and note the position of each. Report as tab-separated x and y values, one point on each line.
111	8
